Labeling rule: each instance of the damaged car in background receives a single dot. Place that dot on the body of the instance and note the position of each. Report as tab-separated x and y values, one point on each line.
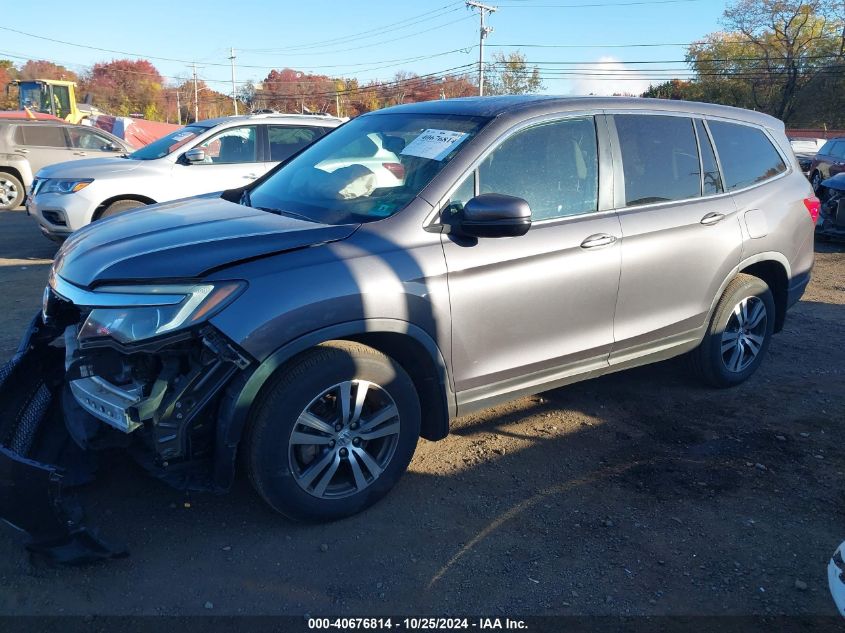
415	264
831	223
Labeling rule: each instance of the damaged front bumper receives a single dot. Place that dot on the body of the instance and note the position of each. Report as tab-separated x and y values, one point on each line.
33	442
62	400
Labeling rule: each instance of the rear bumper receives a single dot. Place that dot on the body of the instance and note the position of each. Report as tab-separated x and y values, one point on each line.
33	495
797	286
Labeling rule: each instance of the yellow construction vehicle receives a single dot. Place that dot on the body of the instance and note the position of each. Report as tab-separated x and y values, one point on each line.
51	96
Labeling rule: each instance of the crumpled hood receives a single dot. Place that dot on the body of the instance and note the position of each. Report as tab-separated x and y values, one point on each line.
184	239
91	167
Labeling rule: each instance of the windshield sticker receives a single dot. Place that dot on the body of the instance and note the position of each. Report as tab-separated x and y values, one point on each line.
181	135
434	144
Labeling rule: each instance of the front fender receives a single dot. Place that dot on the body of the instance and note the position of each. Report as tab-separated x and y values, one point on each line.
236	406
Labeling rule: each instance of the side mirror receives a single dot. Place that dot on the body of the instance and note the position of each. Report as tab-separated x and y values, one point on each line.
495	215
195	155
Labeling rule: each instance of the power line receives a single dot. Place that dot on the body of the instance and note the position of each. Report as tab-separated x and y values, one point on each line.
595	4
427	16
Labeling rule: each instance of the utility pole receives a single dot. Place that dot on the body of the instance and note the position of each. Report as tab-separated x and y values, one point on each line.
485	31
178	108
234	92
196	96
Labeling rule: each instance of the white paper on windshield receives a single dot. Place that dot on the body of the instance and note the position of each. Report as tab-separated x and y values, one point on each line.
434	144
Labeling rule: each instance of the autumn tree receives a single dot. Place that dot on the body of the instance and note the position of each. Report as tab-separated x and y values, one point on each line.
8	72
126	86
290	90
510	75
783	57
42	69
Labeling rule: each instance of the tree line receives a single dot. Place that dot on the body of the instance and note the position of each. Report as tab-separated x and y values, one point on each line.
782	57
126	87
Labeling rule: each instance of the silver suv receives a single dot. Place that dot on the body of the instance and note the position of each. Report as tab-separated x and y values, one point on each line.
318	322
27	146
205	156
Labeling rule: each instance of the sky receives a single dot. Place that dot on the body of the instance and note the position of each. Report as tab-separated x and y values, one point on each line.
580	48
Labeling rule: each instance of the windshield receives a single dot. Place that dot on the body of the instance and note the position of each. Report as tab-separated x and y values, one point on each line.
366	170
168	144
34	96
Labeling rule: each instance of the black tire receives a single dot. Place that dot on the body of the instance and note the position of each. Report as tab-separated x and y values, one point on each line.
717	360
119	207
275	467
11	191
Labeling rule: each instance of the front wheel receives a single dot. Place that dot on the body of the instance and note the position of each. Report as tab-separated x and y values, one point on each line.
121	206
739	333
333	432
11	191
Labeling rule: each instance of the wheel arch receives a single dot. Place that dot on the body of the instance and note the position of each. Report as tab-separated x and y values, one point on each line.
14	172
124	196
776	276
773	268
407	344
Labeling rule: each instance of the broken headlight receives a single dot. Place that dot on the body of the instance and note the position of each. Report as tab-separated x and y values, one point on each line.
190	305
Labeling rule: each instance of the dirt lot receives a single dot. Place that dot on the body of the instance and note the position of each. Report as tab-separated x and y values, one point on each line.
638	493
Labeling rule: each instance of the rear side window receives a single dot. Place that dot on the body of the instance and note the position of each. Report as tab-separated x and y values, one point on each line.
286	140
659	158
746	153
711	181
43	135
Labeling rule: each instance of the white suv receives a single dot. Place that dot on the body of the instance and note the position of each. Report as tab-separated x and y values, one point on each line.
202	157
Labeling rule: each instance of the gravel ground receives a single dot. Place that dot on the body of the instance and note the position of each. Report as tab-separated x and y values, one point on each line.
641	493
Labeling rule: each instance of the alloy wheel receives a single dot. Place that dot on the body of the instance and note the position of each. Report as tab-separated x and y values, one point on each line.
344	439
8	192
744	334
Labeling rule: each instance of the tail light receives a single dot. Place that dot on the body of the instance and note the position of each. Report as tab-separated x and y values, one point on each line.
813	205
397	169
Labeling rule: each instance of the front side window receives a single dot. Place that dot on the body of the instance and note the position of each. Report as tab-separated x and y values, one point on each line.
235	145
659	158
287	140
366	170
746	153
553	167
838	150
827	148
88	139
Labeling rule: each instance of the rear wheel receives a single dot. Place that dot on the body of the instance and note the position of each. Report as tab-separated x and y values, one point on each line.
739	333
11	191
333	433
119	207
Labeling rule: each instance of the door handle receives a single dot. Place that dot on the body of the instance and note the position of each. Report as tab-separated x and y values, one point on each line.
80	154
251	176
712	218
22	151
598	240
